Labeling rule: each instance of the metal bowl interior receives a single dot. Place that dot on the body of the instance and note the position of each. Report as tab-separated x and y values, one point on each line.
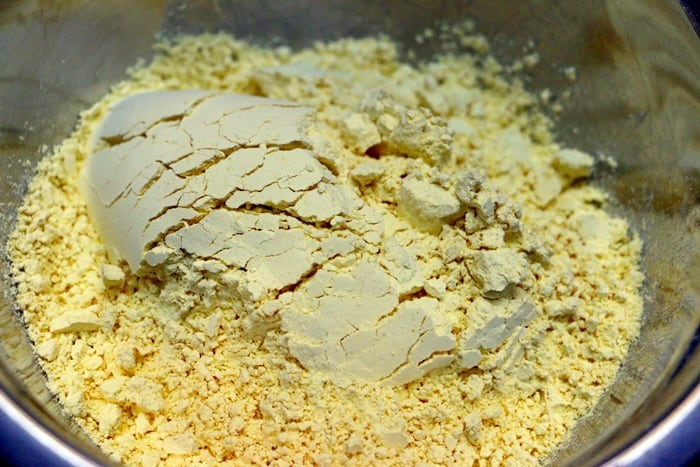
637	99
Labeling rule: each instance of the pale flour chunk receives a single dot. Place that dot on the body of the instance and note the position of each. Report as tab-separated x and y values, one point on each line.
427	205
497	272
350	326
573	163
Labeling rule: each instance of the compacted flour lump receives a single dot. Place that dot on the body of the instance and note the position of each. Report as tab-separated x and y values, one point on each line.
249	255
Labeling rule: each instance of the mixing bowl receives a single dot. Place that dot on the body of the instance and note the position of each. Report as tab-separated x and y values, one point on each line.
636	99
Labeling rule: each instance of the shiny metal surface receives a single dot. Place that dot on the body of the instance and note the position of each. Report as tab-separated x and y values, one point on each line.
637	99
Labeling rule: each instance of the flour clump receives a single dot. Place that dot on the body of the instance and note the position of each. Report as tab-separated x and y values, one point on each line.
229	202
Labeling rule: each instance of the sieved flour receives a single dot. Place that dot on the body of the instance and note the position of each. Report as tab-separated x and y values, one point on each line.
450	292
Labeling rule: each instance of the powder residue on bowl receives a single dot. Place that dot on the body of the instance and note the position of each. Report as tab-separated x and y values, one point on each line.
415	272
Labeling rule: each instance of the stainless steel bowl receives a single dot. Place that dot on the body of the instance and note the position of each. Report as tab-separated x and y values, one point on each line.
637	98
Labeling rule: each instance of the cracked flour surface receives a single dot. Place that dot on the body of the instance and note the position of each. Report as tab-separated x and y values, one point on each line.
246	255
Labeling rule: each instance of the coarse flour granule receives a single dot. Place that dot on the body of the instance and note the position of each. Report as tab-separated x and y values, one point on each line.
427	279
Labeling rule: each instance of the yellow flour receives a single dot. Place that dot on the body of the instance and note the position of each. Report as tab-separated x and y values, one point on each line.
156	373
